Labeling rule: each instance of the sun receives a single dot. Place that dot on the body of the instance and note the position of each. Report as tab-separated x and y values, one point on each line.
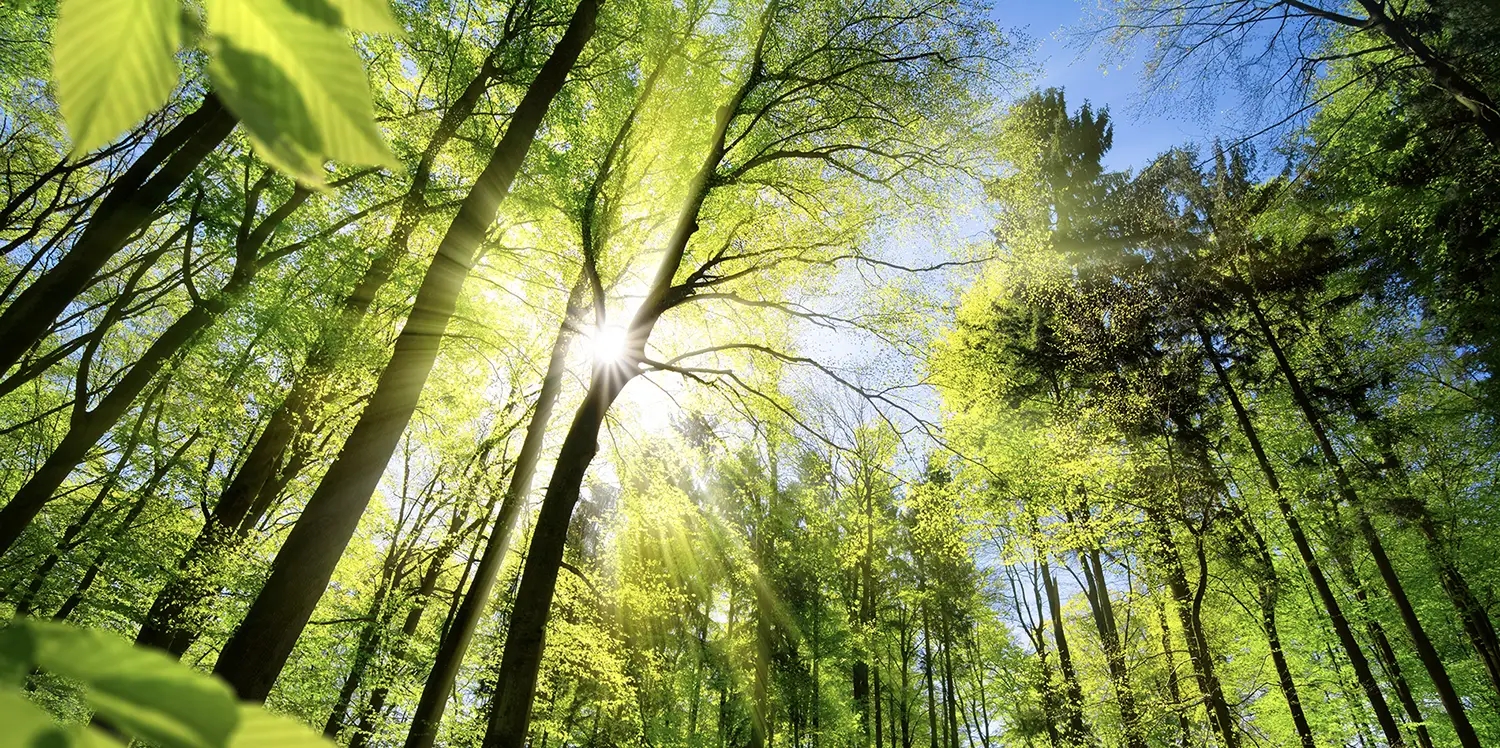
608	344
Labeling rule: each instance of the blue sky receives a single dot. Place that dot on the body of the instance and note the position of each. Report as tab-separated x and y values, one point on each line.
1141	132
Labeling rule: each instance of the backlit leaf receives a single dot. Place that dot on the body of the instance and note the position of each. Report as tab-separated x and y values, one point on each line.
296	85
114	62
371	16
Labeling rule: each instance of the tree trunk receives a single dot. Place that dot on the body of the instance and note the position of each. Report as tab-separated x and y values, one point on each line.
1192	628
455	642
1463	90
79	524
87	427
510	715
1426	652
1174	689
1114	654
143	497
1409	507
1331	606
364	650
1075	730
131	204
950	697
260	478
932	713
255	654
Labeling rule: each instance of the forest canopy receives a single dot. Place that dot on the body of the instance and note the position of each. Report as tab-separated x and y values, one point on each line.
724	374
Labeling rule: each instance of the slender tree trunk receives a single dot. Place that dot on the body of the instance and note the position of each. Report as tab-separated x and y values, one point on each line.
950	695
1410	507
510	715
81	523
1174	688
1192	628
143	498
1385	654
1426	652
259	480
1114	653
760	712
1268	586
932	713
455	642
1331	606
131	204
1076	731
87	427
413	621
255	654
364	651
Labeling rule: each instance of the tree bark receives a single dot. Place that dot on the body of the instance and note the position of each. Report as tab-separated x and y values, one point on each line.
87	427
1331	606
262	475
510	714
1192	628
255	654
131	204
1426	652
1114	654
1075	730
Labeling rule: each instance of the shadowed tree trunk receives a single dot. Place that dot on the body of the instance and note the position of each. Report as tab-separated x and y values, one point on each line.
131	204
1331	606
87	426
1426	652
1102	607
267	468
1074	728
255	654
455	643
510	713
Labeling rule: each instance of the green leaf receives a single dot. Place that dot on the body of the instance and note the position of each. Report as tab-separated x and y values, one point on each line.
27	724
371	16
296	85
262	729
114	62
142	692
17	654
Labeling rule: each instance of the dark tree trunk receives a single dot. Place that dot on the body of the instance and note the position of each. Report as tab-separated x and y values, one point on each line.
143	498
364	651
1075	730
455	642
79	524
1460	87
266	470
255	654
130	205
510	714
1192	628
370	715
1409	507
1174	688
932	712
87	427
1331	606
1268	585
1114	652
1426	652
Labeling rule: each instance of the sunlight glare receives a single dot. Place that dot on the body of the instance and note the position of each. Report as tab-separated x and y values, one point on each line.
609	344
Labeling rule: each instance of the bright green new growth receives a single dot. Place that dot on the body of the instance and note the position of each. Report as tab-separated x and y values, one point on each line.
296	85
142	693
114	62
284	68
